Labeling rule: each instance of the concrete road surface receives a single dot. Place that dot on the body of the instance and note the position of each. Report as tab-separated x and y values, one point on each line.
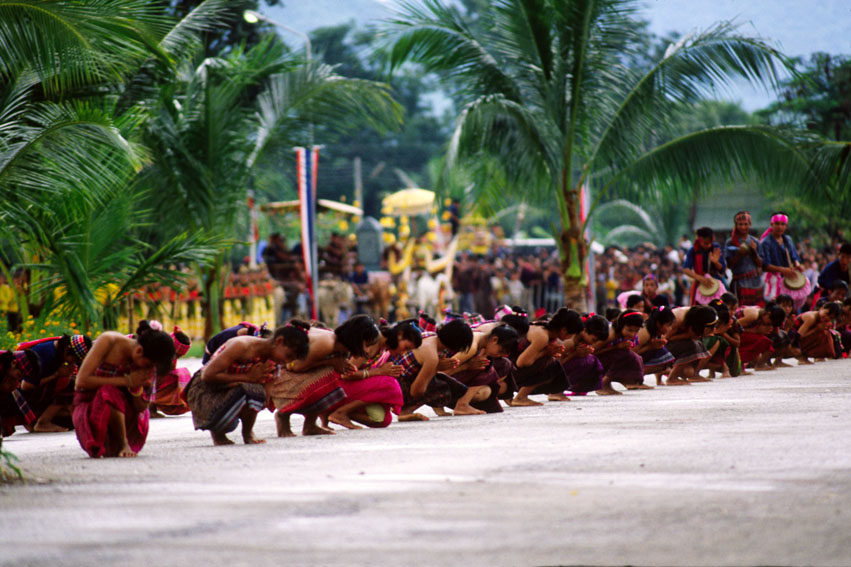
745	471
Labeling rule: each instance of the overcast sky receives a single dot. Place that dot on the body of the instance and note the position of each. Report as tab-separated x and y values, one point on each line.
797	27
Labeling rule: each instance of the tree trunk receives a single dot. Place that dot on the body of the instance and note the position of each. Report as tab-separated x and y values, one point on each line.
574	251
211	303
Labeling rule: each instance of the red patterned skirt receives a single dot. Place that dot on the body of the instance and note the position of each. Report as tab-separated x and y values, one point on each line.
308	393
92	410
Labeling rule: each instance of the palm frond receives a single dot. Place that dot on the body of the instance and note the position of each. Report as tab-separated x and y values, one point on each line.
183	37
699	65
699	159
435	35
314	93
68	44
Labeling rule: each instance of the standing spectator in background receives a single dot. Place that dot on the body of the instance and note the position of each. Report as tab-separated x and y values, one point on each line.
704	260
359	278
779	258
483	300
836	270
743	258
331	257
454	211
464	283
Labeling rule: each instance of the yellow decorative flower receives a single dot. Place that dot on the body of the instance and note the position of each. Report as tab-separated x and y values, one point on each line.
447	201
343	225
446	216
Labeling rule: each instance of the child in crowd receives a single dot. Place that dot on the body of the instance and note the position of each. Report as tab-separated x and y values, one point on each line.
817	331
110	407
50	393
582	368
422	381
230	388
372	391
312	386
620	362
657	359
685	343
476	369
538	371
169	388
16	367
758	324
717	344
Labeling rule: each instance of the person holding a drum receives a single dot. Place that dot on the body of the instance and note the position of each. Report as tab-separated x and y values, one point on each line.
705	265
744	261
784	273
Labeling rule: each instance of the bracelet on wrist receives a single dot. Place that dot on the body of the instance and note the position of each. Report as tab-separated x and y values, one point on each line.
136	393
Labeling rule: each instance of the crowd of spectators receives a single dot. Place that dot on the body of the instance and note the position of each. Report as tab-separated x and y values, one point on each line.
529	277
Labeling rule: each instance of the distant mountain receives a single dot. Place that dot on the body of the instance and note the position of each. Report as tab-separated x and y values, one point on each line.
307	15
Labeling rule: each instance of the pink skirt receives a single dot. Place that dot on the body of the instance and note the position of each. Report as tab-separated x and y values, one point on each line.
92	409
382	390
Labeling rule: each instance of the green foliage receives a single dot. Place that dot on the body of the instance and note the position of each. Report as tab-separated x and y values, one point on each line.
354	53
817	97
47	324
236	31
624	223
8	469
68	150
547	91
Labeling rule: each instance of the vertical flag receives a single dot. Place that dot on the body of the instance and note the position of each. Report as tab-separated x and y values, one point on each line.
590	276
306	168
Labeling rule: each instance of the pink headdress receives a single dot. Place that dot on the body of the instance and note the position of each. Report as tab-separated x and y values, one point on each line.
180	348
779	217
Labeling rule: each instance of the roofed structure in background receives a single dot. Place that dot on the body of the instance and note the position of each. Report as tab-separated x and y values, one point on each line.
718	209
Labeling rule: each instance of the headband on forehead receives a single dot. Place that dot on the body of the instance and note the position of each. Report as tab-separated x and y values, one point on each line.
744	215
473	318
504	310
298	327
780	218
78	345
649	277
425	324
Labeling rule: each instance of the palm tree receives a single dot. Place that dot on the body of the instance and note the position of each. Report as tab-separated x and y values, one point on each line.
546	89
67	151
214	119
